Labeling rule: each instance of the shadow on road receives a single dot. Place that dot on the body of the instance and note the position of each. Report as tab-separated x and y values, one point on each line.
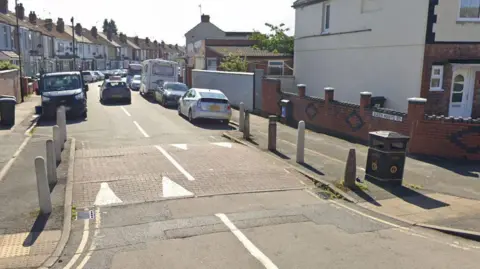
212	125
149	98
37	229
461	167
115	103
313	169
44	122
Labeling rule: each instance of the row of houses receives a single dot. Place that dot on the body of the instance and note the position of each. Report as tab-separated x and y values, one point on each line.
47	44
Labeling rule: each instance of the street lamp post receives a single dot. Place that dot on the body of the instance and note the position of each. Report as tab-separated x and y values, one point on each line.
73	43
19	52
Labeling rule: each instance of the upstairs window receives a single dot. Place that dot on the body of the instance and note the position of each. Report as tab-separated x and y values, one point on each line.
326	17
469	10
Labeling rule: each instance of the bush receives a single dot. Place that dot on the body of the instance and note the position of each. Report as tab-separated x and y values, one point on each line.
6	65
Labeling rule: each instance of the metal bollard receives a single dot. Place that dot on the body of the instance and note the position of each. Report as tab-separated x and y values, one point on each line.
51	162
246	127
44	199
57	140
301	142
272	133
241	117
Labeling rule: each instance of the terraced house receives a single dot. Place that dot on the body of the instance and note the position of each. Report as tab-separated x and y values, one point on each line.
434	53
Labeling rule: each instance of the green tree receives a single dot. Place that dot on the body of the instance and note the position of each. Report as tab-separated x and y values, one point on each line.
106	26
113	26
276	40
234	63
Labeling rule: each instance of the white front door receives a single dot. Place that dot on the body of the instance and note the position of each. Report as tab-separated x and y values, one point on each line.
461	95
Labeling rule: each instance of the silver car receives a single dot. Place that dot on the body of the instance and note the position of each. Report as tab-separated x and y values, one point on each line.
115	90
205	104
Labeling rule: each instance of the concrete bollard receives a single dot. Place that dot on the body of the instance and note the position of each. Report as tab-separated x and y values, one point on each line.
301	142
57	140
272	133
246	126
44	199
350	175
241	118
51	162
62	123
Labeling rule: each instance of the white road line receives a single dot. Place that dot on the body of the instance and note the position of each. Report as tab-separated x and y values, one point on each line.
141	129
126	112
9	164
82	245
93	244
267	263
175	163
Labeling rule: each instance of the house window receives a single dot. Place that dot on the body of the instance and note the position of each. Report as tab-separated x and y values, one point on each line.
211	63
89	49
469	10
436	80
5	35
326	17
61	47
275	68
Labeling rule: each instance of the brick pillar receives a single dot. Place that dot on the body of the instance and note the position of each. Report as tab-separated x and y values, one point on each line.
365	101
301	90
476	97
328	97
271	89
416	113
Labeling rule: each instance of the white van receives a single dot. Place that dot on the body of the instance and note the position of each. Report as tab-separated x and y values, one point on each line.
155	72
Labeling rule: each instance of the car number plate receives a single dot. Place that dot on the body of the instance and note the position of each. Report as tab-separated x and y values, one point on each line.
214	108
116	96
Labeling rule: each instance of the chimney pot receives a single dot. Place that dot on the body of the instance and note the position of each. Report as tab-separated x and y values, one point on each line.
32	17
205	18
94	31
60	25
78	29
20	11
49	24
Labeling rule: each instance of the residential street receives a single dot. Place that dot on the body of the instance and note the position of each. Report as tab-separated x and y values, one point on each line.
168	194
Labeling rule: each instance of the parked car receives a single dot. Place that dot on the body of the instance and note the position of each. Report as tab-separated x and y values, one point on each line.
205	104
115	90
66	89
100	75
135	83
170	92
88	76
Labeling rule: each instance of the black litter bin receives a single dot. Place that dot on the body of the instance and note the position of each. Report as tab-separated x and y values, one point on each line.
386	156
7	110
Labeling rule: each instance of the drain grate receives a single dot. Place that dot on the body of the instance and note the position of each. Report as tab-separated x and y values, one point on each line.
83	215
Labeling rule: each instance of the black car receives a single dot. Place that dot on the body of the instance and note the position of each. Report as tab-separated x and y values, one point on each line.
170	92
63	89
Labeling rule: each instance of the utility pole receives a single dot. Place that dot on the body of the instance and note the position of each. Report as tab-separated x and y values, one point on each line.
73	44
19	52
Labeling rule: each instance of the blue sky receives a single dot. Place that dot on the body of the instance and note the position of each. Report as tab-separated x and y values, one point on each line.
166	20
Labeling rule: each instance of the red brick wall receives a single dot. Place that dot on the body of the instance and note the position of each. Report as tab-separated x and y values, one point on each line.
435	136
438	102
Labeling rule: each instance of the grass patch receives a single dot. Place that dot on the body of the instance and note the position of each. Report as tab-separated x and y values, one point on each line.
413	186
360	185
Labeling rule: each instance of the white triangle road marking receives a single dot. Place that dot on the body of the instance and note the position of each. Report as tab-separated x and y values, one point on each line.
180	146
223	144
172	189
106	196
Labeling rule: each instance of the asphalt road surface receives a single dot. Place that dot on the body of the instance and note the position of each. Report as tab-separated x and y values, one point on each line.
159	192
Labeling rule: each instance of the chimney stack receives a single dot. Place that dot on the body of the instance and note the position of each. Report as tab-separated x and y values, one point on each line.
78	29
136	40
4	6
60	25
32	17
147	41
94	31
20	11
49	24
109	35
205	18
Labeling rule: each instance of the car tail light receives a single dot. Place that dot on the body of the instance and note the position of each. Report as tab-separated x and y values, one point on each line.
229	107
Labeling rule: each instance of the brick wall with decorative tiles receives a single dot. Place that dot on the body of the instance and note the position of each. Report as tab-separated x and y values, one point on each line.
443	54
429	135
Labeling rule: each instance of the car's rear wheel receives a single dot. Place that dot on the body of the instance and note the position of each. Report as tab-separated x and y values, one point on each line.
178	110
163	101
190	116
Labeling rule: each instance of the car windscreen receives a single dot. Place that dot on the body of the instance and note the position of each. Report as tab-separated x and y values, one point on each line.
86	74
133	72
176	87
162	70
116	85
61	83
212	95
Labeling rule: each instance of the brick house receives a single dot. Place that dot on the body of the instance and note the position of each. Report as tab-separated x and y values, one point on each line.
434	54
272	63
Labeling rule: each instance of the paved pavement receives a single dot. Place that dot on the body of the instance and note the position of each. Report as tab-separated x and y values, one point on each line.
437	193
151	190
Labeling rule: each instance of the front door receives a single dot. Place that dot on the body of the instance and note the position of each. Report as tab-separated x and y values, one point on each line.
461	94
